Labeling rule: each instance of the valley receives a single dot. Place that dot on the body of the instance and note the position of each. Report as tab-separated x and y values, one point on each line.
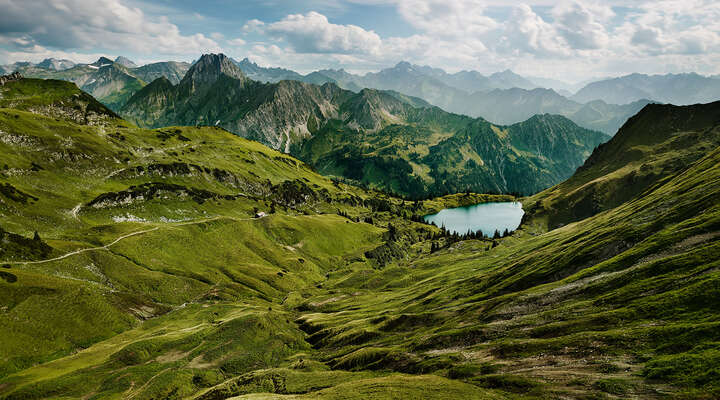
188	262
359	200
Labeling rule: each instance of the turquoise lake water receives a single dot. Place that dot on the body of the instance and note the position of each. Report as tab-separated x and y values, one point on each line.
486	217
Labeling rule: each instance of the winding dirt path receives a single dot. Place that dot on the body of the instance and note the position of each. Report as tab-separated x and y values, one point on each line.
72	253
114	242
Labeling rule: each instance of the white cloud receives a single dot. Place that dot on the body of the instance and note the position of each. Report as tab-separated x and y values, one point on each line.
38	53
583	25
254	25
459	19
566	39
527	32
313	33
688	27
237	42
98	24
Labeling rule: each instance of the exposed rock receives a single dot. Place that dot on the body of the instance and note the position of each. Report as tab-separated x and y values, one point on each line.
15	76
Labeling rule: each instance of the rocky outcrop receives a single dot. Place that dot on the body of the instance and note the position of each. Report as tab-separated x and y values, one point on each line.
15	76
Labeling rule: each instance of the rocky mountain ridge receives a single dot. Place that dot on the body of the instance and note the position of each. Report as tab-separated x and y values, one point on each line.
502	97
321	123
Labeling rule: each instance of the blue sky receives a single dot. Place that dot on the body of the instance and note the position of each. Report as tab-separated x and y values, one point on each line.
571	40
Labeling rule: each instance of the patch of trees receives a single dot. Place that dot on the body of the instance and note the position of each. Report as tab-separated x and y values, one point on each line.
292	193
8	277
346	215
454	237
377	204
9	191
169	134
385	253
18	247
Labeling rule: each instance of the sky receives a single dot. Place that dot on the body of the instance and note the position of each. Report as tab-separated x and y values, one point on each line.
573	40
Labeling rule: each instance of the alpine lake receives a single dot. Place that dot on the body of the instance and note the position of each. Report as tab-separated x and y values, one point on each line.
485	217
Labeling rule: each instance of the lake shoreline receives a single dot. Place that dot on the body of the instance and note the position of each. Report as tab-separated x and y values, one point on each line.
487	217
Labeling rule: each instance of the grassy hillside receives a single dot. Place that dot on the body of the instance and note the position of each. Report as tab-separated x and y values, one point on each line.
120	243
187	262
651	148
111	83
619	304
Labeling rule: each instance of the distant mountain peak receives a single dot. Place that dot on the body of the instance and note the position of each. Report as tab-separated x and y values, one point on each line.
219	62
125	62
248	67
210	67
56	64
102	62
507	73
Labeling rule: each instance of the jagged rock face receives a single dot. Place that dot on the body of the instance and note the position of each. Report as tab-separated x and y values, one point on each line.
260	74
502	98
125	62
208	70
172	70
372	110
111	82
55	64
524	158
113	85
15	76
282	118
216	92
102	62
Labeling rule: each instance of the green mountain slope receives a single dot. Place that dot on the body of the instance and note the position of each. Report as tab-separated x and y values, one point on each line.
619	304
650	148
155	274
109	82
385	140
148	241
54	98
450	155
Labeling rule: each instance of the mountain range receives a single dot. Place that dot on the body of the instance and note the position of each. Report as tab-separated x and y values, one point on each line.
111	82
502	98
507	98
677	89
188	262
382	139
